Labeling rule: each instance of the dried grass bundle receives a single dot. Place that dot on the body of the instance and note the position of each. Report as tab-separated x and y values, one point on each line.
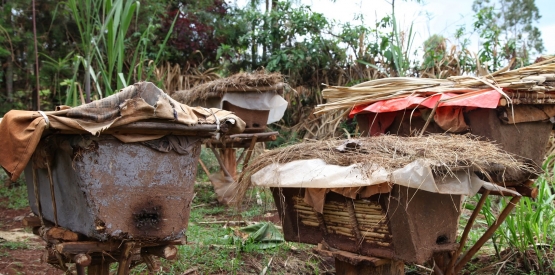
538	77
444	153
241	82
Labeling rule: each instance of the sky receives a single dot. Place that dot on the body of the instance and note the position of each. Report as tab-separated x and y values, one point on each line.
432	17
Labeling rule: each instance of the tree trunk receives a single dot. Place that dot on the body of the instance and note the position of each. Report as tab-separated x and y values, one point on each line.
254	44
9	79
265	41
275	29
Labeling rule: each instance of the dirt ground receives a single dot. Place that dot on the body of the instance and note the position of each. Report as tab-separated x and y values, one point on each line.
21	259
26	259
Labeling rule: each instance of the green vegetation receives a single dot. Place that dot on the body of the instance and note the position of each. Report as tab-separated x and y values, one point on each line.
525	240
14	245
217	247
15	194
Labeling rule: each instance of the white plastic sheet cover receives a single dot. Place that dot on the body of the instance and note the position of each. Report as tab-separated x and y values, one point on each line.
259	101
316	173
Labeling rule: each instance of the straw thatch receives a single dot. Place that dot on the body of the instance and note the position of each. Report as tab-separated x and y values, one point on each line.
444	153
536	78
241	82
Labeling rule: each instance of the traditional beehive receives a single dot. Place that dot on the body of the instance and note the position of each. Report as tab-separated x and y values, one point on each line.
510	107
107	189
254	97
119	168
389	196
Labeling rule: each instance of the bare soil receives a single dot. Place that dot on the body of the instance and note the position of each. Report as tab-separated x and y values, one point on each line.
21	259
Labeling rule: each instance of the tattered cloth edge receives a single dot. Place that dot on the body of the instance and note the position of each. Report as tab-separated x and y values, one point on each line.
242	82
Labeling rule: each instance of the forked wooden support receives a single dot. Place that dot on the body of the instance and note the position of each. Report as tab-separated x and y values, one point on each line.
468	254
456	263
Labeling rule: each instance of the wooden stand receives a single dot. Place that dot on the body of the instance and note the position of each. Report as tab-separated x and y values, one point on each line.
225	151
347	263
64	246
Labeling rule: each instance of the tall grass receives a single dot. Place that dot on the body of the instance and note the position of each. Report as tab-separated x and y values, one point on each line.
530	231
104	27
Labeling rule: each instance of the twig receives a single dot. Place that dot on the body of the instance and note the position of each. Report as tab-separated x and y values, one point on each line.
266	267
190	270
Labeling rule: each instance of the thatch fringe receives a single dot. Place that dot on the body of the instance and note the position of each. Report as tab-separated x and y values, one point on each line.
445	153
241	82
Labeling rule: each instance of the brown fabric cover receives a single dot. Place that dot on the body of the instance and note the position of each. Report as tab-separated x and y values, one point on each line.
20	131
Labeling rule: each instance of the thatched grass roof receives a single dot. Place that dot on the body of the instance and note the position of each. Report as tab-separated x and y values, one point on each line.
444	153
535	78
241	82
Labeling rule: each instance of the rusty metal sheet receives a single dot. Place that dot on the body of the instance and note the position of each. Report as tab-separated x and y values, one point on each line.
107	189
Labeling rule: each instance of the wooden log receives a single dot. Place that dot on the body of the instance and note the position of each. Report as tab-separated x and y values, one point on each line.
258	135
32	221
168	252
60	233
147	127
82	259
86	247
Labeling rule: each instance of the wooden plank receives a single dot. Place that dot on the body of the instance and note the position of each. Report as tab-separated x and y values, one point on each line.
160	127
32	221
86	247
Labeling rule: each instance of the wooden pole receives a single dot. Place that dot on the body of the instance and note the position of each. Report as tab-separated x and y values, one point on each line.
36	91
249	152
124	261
468	255
204	167
466	231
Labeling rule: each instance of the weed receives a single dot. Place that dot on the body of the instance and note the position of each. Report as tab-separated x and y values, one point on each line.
204	194
14	245
16	195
